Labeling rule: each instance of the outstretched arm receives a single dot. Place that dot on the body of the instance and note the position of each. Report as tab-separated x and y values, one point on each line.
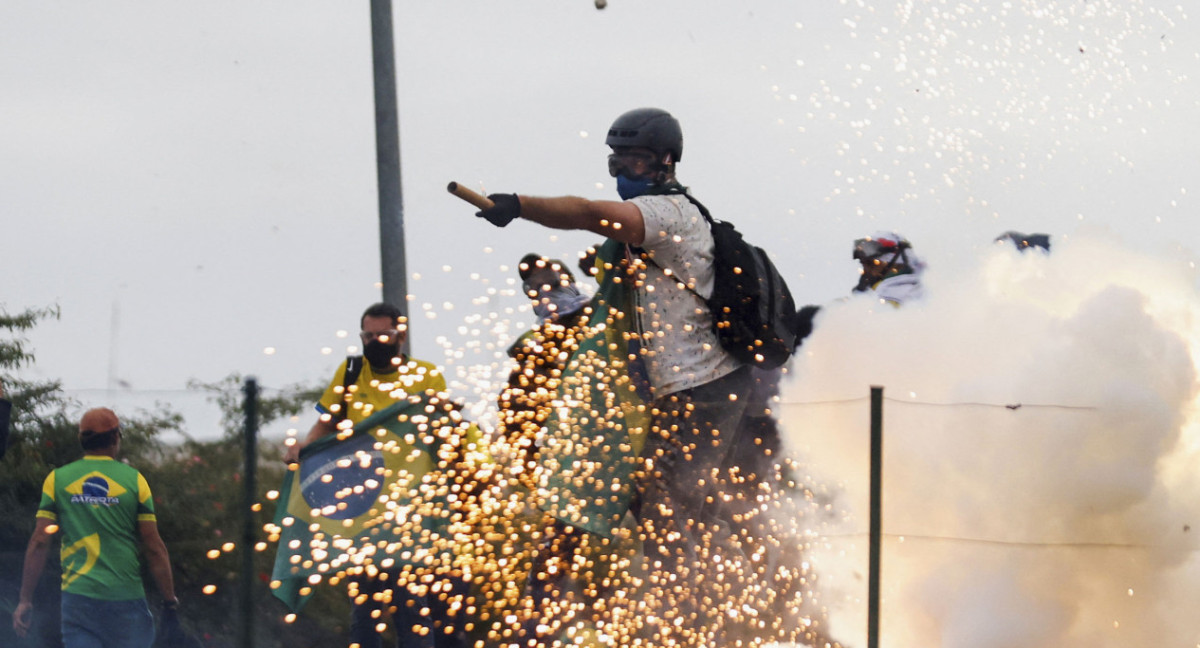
621	221
158	560
35	562
615	219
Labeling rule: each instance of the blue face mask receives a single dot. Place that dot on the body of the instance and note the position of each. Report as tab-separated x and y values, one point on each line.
630	188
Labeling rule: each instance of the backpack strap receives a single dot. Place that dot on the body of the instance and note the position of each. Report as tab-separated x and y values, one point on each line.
649	259
354	365
677	189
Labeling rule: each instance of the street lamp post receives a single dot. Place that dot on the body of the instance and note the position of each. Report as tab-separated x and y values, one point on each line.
387	159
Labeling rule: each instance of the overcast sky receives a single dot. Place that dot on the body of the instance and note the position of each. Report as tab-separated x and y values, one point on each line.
194	184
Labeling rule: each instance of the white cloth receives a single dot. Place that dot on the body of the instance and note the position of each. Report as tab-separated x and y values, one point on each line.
899	289
683	350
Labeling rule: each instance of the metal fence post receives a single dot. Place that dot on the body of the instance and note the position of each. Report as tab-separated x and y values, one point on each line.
876	516
248	536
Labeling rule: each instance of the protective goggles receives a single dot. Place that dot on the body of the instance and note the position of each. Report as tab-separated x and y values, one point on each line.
872	248
386	336
635	163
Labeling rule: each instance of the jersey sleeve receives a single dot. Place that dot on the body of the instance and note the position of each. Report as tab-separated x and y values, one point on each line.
333	393
48	508
145	508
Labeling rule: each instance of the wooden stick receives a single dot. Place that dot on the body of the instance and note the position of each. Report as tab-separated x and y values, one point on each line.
470	196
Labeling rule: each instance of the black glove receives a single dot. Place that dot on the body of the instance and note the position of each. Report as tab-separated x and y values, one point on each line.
506	208
170	633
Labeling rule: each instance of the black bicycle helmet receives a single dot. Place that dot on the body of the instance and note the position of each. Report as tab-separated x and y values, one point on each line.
651	128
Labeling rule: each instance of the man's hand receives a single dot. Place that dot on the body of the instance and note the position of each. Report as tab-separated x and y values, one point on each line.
505	208
170	631
292	454
23	618
322	428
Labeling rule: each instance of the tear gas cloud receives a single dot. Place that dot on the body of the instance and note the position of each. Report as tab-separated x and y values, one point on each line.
1040	444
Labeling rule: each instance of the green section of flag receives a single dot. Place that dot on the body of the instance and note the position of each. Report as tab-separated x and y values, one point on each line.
595	433
383	495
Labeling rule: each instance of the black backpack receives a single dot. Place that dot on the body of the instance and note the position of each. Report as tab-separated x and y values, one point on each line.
752	308
354	365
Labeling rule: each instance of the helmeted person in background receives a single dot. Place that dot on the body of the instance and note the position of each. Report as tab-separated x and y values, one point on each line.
102	508
1025	242
361	386
891	270
542	352
657	238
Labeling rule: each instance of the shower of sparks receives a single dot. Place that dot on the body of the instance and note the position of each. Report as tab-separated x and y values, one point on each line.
478	516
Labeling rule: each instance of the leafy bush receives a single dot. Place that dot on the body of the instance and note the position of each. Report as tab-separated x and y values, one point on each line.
198	493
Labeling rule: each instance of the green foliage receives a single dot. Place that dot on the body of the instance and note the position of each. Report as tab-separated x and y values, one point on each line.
198	491
273	404
13	352
207	480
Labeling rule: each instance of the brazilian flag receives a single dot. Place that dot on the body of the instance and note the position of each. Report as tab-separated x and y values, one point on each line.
387	494
596	430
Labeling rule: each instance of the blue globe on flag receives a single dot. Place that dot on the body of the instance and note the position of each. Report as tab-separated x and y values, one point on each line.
343	480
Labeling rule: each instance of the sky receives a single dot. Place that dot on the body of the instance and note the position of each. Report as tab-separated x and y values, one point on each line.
193	184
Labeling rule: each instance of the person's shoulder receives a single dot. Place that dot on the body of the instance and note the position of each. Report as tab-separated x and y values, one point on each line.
117	466
338	377
669	218
524	344
670	203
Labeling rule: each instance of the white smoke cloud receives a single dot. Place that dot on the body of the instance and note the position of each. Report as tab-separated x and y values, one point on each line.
1069	517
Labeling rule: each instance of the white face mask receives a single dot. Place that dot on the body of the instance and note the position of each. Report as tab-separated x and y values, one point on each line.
558	301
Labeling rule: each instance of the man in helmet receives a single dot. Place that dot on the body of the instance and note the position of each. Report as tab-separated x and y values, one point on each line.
890	268
660	248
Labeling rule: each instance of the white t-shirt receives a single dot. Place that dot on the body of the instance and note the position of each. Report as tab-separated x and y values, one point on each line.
682	351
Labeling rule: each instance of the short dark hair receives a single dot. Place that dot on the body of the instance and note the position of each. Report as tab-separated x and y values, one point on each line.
382	309
91	440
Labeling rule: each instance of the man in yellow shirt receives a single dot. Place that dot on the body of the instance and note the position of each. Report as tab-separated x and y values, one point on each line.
361	387
385	375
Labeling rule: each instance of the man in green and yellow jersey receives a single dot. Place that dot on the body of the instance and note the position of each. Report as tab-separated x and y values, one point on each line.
102	508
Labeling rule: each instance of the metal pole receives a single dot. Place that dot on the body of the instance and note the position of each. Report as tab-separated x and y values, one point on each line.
248	536
876	516
387	158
